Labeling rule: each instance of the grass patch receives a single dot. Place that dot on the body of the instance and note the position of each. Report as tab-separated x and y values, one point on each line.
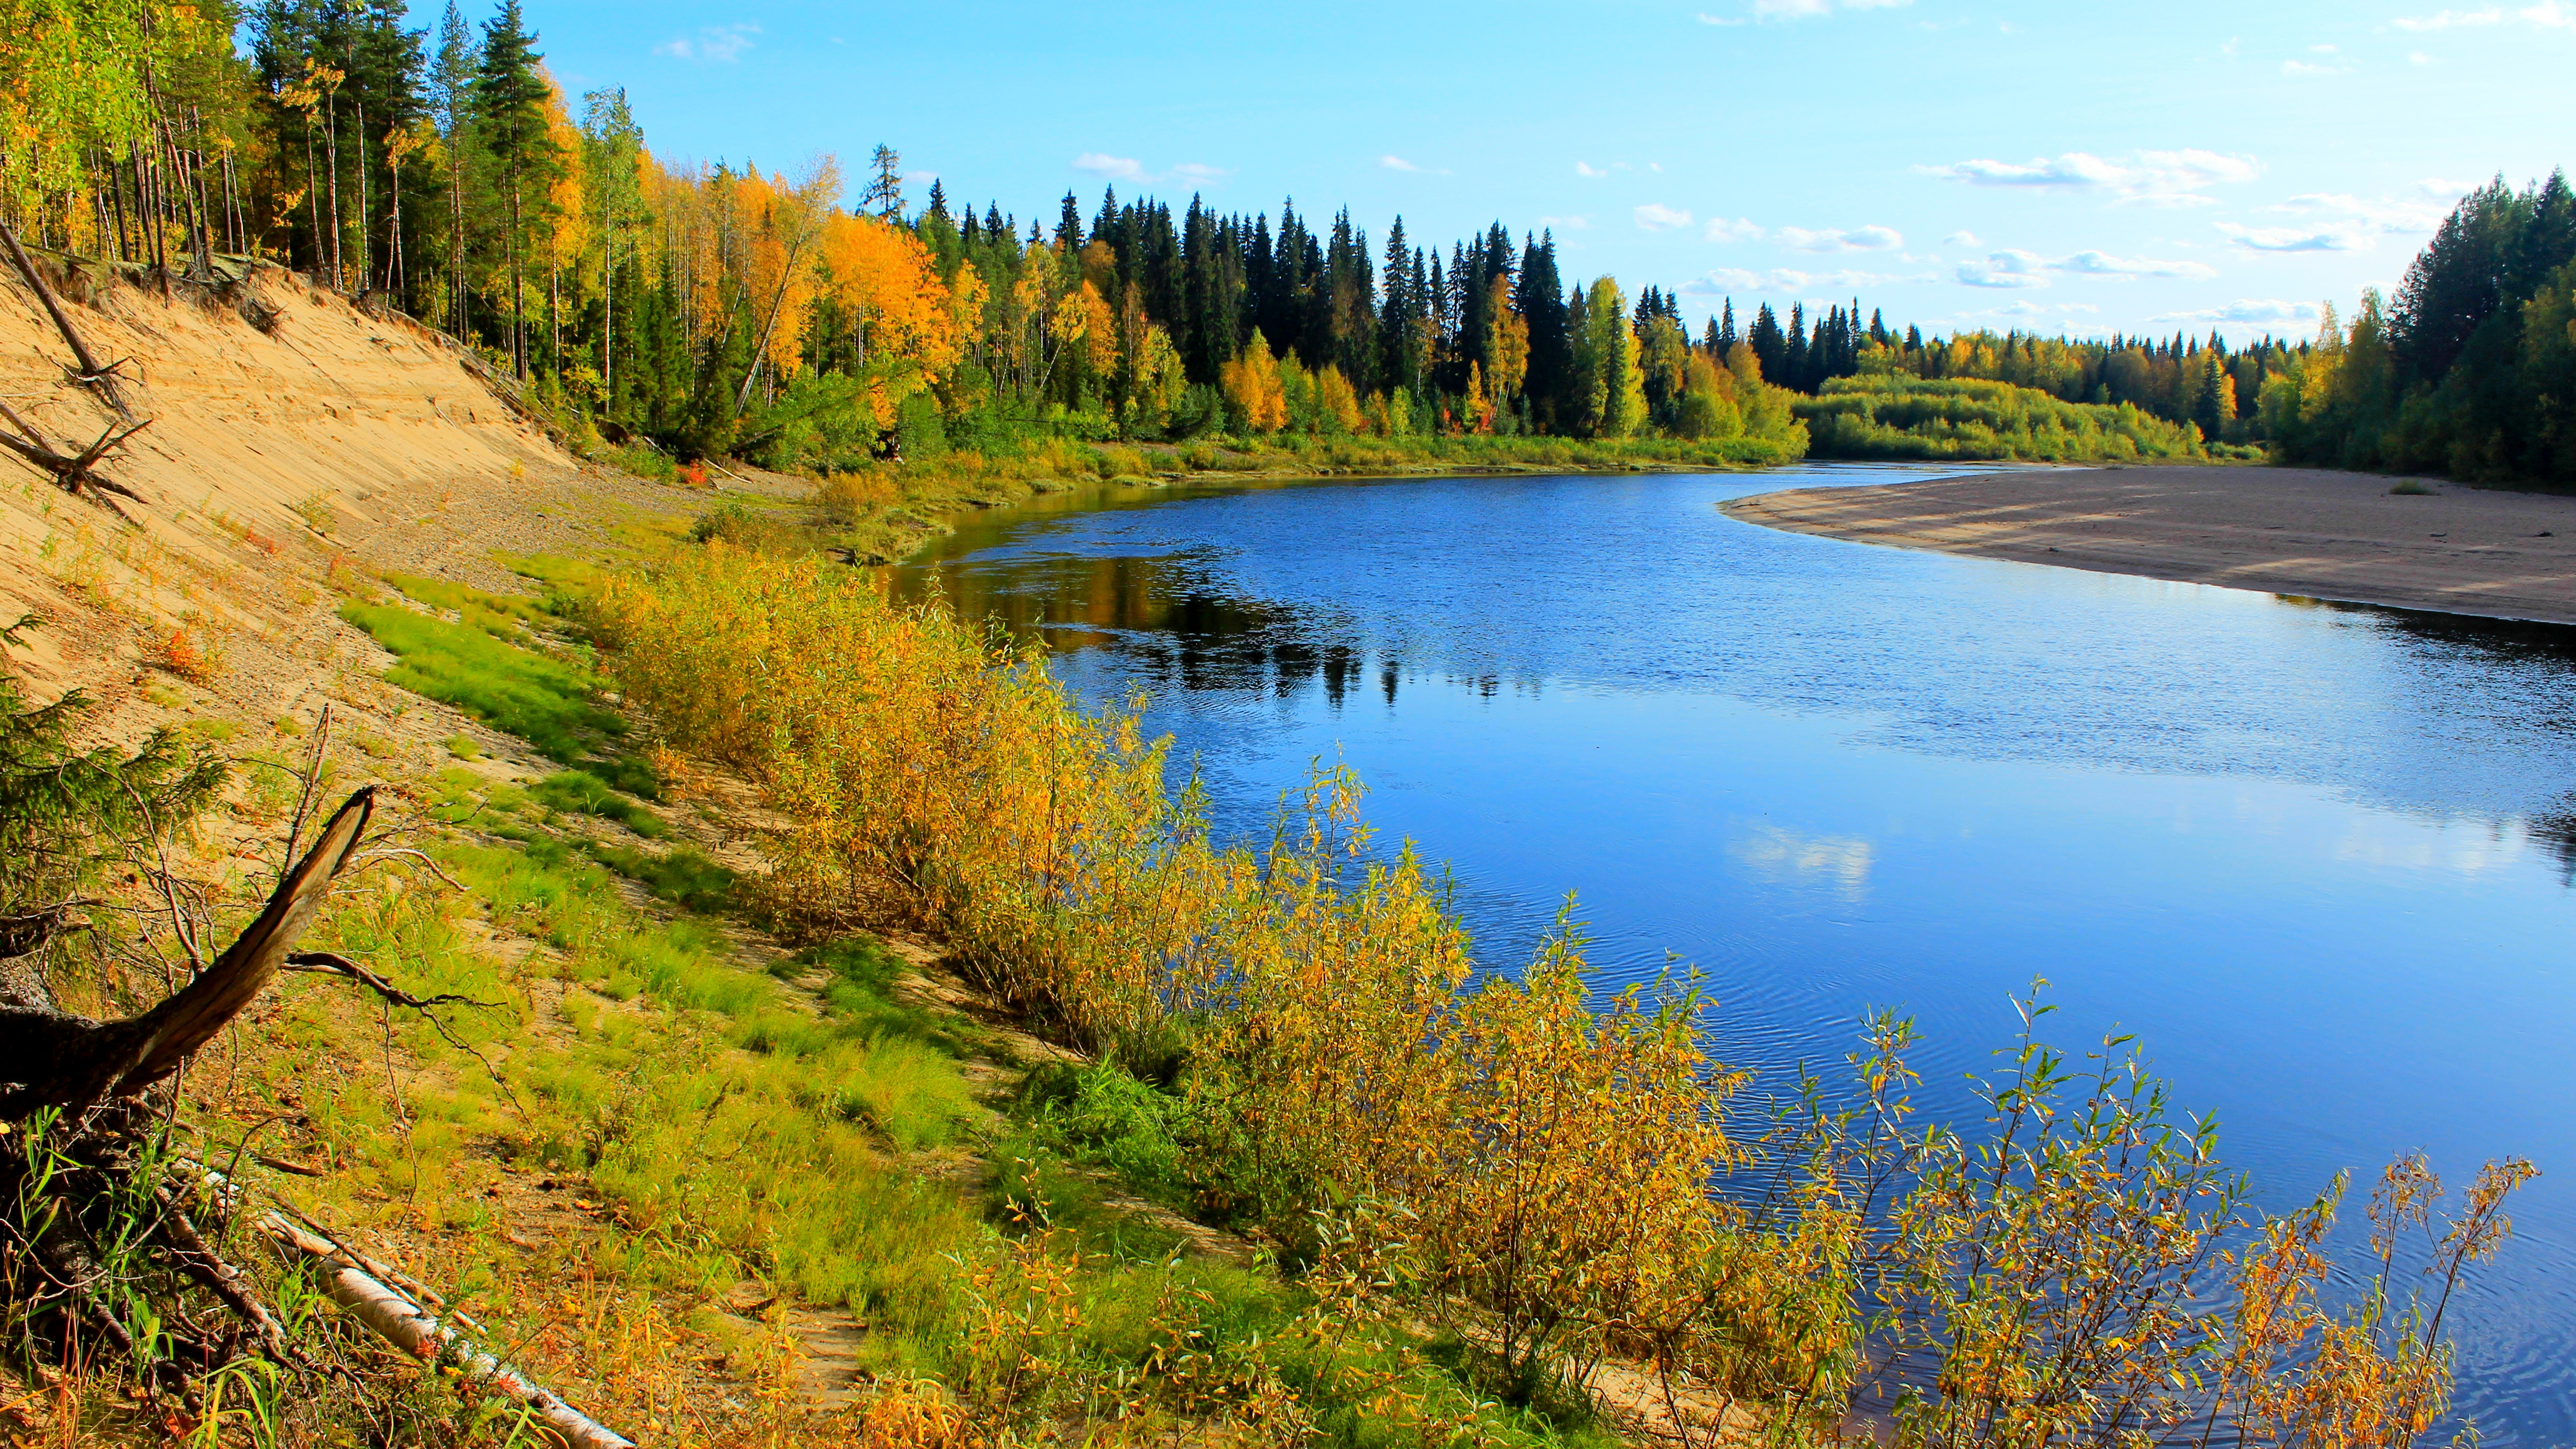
579	792
684	876
542	699
2412	488
496	614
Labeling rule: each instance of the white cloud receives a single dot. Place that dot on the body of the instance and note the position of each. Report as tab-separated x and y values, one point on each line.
2548	14
1115	168
1961	239
1584	168
2101	264
1719	229
2395	217
1655	216
1128	168
1835	239
2005	269
1567	223
1707	19
2156	178
2246	309
1813	9
2301	67
2296	239
721	43
1792	282
2448	18
1398	163
2013	268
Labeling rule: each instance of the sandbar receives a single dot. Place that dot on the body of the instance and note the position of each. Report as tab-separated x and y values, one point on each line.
2306	532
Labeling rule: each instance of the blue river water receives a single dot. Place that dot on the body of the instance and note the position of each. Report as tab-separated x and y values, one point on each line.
2321	858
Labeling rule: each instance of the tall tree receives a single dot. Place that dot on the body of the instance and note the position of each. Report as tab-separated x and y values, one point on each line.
509	96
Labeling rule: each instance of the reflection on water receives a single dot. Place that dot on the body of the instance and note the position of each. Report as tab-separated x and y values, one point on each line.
2321	858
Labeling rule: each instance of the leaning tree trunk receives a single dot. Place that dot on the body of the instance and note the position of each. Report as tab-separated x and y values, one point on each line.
62	1059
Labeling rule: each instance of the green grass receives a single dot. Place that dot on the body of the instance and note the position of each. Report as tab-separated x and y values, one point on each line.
684	875
772	1122
547	701
579	792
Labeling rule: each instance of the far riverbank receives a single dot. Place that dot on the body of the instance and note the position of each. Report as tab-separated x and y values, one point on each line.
2309	532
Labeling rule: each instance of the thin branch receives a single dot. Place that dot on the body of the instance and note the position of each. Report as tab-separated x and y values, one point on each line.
326	963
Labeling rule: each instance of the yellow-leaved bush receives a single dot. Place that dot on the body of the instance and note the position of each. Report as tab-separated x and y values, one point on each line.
1546	1174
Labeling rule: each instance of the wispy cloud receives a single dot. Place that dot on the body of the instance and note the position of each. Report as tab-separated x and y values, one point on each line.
1707	19
2305	68
1398	163
1128	168
1114	168
1655	216
1961	239
2345	238
1789	281
1812	9
1835	239
2448	19
2396	216
1586	168
2247	309
2013	268
719	43
1567	223
2155	178
1719	229
2547	14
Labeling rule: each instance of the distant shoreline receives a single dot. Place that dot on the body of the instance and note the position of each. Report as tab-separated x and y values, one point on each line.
2307	532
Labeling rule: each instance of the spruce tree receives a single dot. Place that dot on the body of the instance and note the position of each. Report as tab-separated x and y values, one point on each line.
509	96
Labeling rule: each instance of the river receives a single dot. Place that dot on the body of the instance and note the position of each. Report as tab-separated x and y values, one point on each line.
2321	859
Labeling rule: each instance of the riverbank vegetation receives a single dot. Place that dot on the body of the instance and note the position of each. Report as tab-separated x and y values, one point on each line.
1288	1038
1891	415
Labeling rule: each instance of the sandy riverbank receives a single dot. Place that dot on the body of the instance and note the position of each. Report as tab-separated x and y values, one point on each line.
2302	531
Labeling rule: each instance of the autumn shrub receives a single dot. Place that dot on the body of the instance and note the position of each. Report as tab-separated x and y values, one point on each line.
1546	1177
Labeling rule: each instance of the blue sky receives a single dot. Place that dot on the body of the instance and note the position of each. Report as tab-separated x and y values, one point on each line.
1958	163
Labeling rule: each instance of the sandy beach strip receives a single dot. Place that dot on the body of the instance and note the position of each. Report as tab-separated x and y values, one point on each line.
2307	532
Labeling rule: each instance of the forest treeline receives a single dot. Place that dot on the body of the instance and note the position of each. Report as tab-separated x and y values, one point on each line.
810	320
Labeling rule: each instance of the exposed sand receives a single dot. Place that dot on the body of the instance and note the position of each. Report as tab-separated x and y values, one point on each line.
2301	531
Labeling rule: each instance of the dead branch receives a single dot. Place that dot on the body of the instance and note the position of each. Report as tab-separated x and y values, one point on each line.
325	963
403	1323
74	473
92	375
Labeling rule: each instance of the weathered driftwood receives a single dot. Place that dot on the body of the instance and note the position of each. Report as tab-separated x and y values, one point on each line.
90	374
70	1061
392	1316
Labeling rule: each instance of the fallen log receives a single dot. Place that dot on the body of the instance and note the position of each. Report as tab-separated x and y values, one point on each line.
395	1318
91	373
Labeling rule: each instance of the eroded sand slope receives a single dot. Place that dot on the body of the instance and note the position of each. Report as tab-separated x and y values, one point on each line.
275	451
